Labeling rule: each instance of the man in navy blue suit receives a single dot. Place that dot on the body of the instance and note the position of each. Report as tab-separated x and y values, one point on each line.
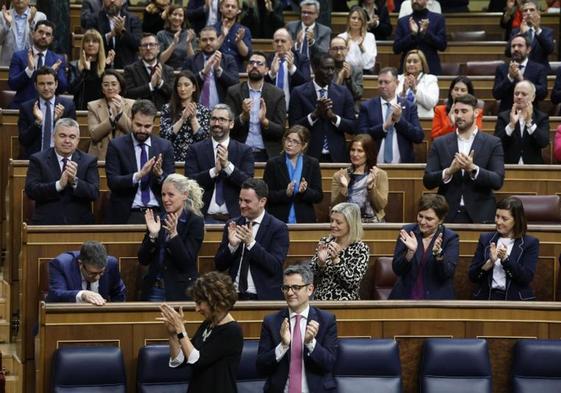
220	165
85	276
298	345
254	246
62	180
521	67
326	109
37	116
392	122
541	38
136	166
423	30
26	62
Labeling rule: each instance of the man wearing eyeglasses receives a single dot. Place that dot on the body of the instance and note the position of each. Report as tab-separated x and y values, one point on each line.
147	78
85	276
298	345
260	110
310	36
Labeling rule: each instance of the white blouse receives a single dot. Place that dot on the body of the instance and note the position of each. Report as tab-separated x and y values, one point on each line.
355	57
427	93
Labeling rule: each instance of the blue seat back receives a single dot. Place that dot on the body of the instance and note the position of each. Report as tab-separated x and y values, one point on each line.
154	375
248	380
366	365
455	365
536	366
97	369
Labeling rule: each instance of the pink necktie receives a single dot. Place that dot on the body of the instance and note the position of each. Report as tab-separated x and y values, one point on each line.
295	373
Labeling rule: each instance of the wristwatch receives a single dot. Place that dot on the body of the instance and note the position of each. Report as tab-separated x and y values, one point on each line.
181	335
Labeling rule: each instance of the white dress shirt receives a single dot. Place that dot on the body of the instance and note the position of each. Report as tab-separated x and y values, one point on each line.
499	274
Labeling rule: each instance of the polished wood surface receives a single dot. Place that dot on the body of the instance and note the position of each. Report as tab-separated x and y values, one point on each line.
131	326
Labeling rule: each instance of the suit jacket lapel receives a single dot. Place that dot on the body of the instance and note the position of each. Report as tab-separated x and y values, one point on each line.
517	250
209	152
53	163
284	170
263	227
76	274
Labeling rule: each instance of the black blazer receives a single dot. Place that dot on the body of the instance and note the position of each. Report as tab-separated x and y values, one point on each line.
199	159
478	193
542	46
179	268
277	178
300	76
137	80
229	76
529	147
276	113
71	206
125	45
520	267
120	166
30	133
503	88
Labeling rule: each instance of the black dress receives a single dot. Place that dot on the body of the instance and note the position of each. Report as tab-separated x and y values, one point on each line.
85	85
217	367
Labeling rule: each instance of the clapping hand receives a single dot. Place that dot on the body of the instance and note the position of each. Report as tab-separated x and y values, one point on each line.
157	167
437	246
153	223
311	331
172	319
409	240
170	224
303	186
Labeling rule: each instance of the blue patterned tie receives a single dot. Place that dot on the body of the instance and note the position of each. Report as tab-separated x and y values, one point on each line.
388	145
144	188
323	94
219	188
280	74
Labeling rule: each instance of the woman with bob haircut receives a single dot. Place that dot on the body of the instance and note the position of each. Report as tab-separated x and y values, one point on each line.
176	42
214	351
505	261
294	179
362	182
171	245
341	259
426	254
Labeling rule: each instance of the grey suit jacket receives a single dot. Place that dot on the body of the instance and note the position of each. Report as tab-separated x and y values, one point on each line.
8	35
322	36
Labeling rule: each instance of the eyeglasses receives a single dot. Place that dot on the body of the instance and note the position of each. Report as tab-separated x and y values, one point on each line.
295	288
149	45
338	48
293	142
90	273
219	119
258	63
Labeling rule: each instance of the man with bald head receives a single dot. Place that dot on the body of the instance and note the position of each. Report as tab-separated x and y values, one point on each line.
523	130
287	67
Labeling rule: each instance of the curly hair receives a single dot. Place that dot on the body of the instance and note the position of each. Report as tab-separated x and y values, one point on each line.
216	289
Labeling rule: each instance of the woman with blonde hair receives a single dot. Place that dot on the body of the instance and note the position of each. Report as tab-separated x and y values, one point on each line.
361	43
341	258
172	242
416	85
85	73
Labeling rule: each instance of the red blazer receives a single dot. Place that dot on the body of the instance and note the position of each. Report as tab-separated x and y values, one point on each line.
441	122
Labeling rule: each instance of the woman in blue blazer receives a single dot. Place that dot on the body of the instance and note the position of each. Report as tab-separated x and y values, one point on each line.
172	242
426	254
505	260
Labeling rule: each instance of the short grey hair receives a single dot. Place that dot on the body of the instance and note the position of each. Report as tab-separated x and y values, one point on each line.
224	107
93	254
303	269
530	85
67	122
310	2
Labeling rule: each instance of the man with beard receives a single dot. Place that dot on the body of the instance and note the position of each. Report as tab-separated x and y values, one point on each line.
215	71
507	75
26	62
260	110
345	74
424	30
254	246
524	130
466	166
220	165
326	109
147	77
136	166
233	38
121	31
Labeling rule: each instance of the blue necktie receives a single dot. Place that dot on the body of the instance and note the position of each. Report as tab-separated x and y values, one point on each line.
40	61
219	188
323	94
531	34
144	189
388	145
47	127
280	74
304	48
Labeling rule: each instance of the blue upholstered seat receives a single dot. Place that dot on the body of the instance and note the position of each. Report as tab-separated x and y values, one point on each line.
536	366
248	381
154	374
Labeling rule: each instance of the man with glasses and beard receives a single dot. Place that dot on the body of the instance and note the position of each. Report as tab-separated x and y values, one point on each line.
220	165
345	74
260	110
466	166
298	345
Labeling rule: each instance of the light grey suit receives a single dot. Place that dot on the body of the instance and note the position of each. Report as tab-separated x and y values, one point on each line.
8	35
322	36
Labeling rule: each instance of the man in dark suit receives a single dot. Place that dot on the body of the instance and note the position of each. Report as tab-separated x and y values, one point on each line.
89	12
326	109
260	110
254	246
37	116
121	31
524	130
234	39
25	63
424	30
507	75
215	71
85	276
311	37
287	67
541	38
147	77
136	166
203	13
466	166
62	180
392	122
298	345
220	165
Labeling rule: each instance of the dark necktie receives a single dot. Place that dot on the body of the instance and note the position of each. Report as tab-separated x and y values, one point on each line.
304	48
47	127
219	186
531	34
388	145
244	268
88	286
145	189
295	370
323	94
280	74
40	60
64	162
